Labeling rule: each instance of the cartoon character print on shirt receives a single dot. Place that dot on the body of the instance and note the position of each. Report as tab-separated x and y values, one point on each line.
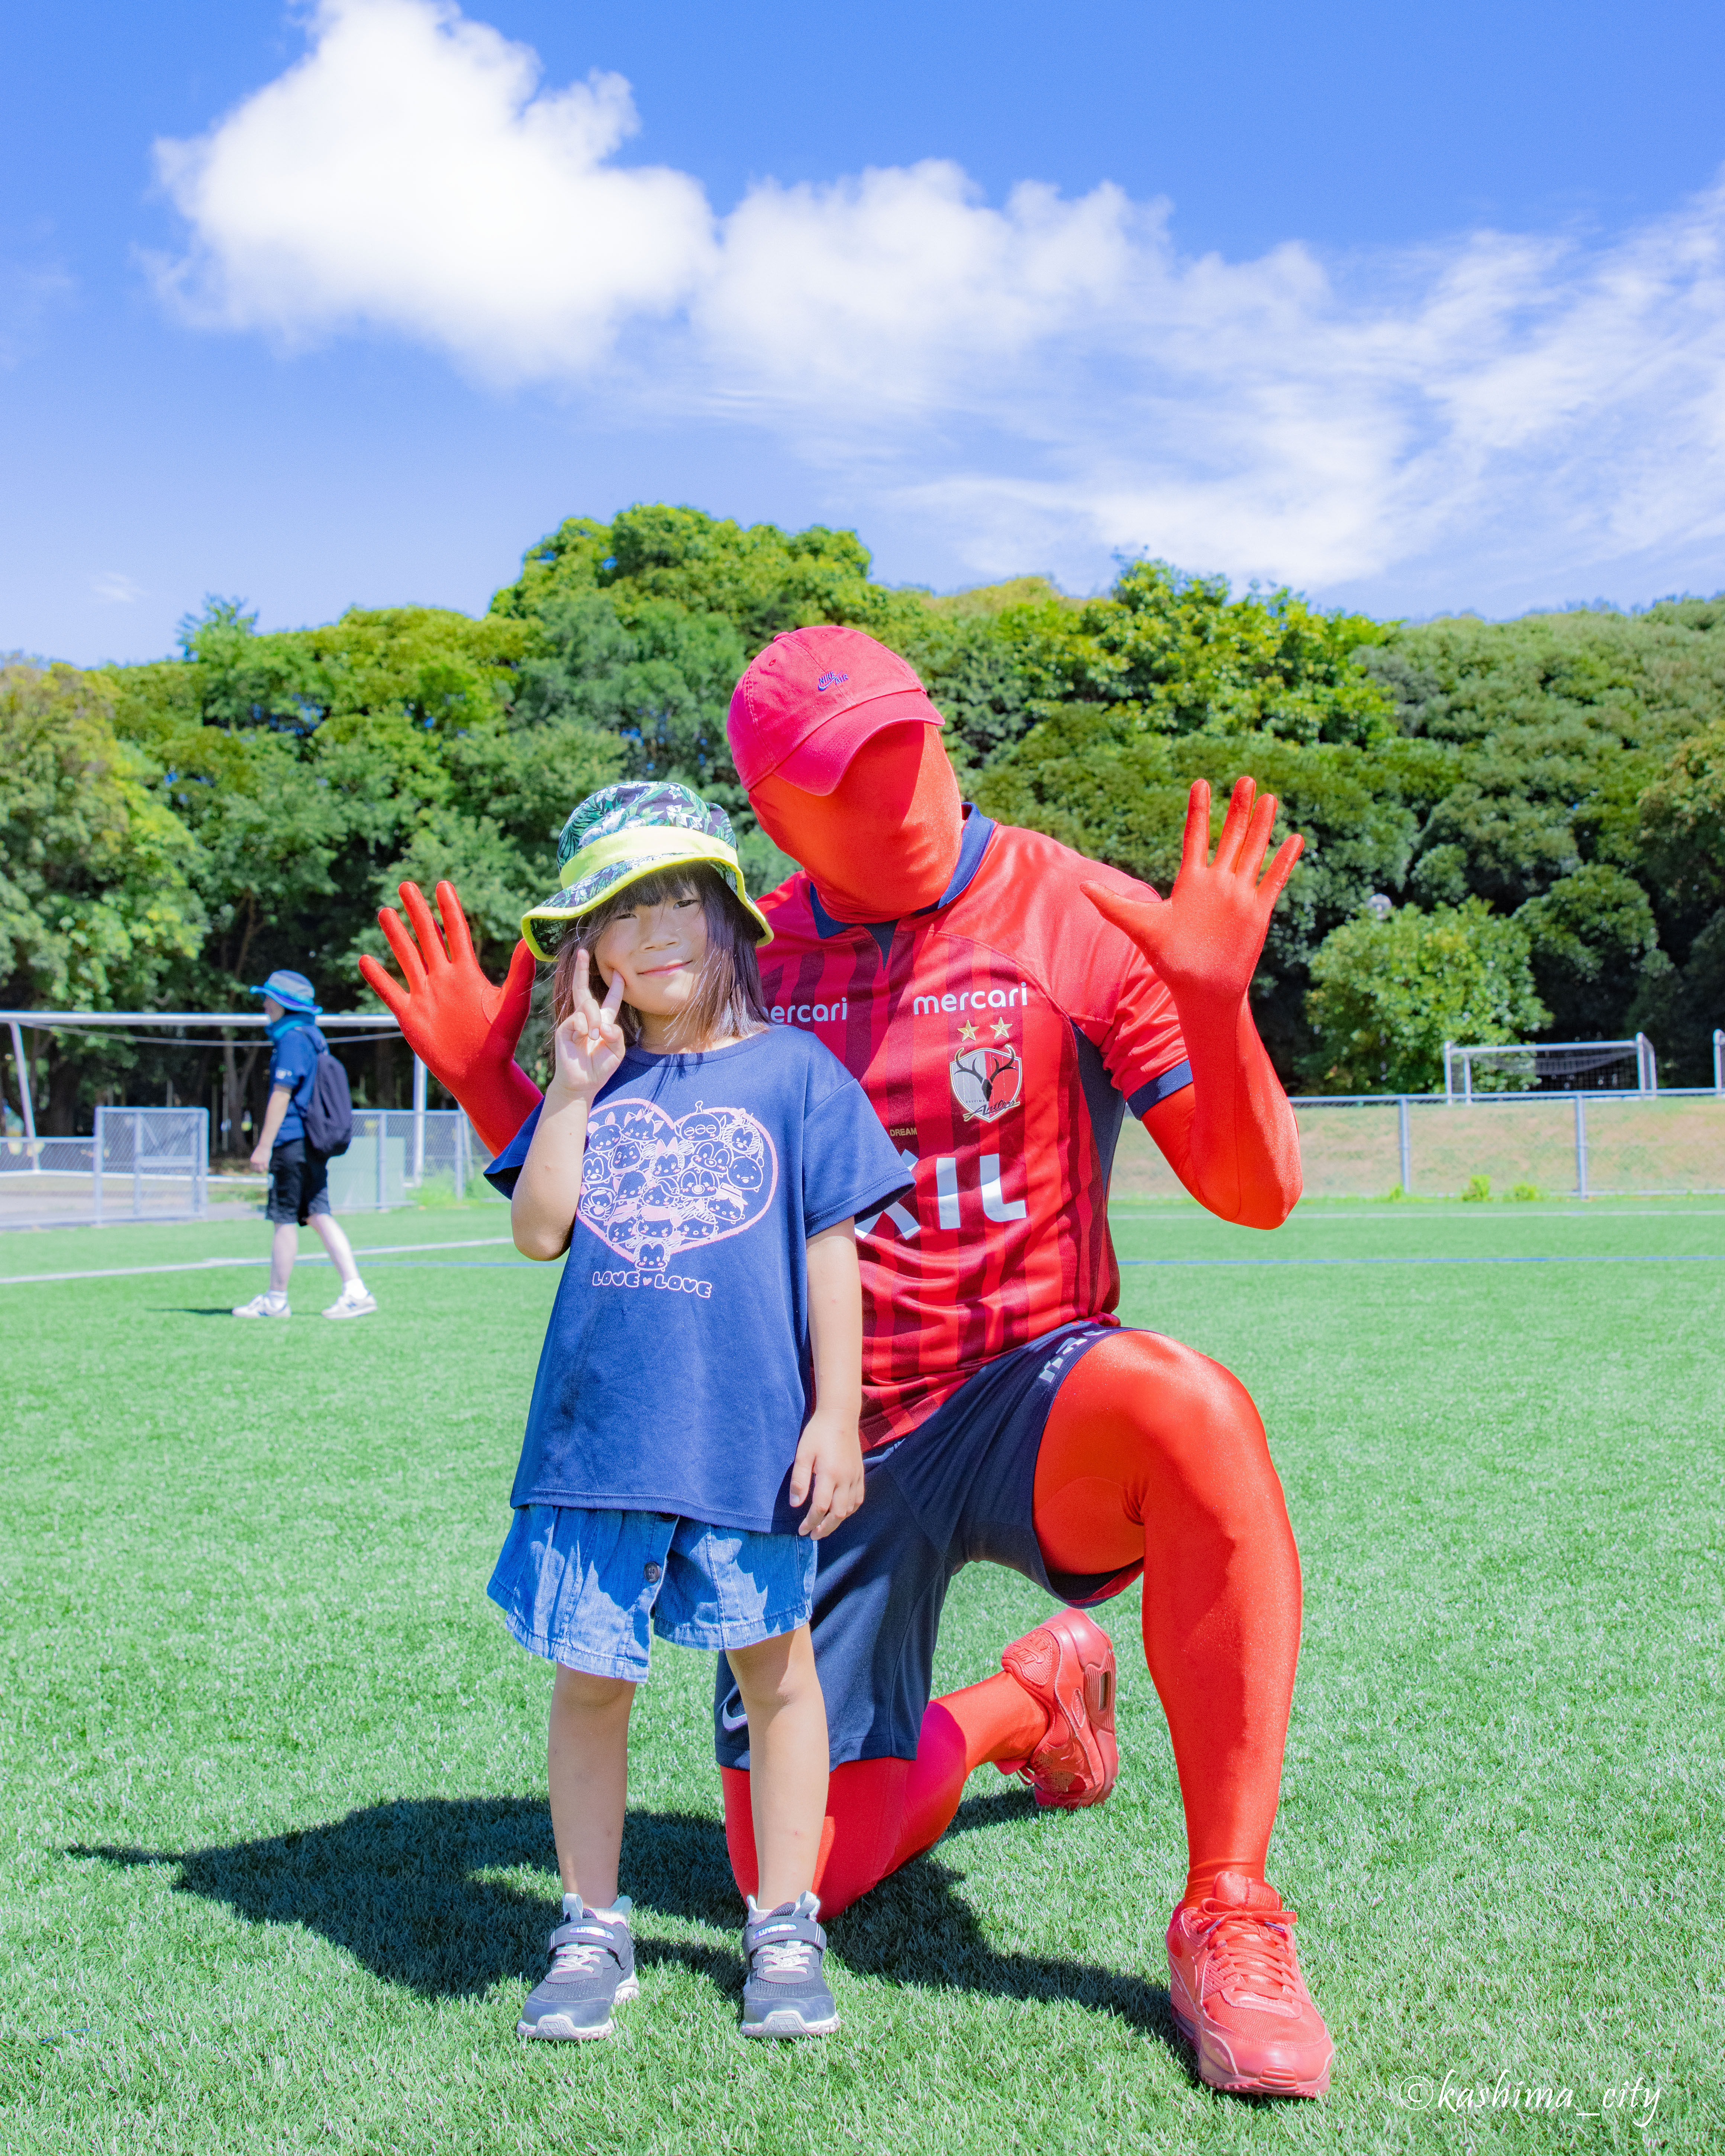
654	1186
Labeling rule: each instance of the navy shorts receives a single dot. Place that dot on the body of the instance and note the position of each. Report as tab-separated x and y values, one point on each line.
299	1183
959	1490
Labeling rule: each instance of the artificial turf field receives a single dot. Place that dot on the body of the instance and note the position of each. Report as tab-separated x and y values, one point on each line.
277	1866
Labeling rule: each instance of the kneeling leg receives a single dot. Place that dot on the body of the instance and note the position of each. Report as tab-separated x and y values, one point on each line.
1153	1451
880	1813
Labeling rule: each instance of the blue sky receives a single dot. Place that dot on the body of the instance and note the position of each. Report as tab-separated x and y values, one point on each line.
1416	309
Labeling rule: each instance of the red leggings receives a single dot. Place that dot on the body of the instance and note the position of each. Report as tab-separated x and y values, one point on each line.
1152	1452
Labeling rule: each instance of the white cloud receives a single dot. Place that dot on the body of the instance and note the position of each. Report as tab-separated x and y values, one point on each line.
114	588
408	173
883	293
1039	382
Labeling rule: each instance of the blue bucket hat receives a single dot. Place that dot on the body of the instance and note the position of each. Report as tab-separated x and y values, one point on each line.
623	834
292	991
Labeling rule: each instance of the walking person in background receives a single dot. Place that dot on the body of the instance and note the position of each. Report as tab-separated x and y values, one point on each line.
299	1174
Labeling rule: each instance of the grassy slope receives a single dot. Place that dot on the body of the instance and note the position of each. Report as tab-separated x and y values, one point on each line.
277	1866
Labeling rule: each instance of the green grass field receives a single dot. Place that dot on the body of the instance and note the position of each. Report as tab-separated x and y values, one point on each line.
277	1866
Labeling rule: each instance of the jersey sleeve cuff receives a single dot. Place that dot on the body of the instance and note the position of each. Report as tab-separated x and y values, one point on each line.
1170	1080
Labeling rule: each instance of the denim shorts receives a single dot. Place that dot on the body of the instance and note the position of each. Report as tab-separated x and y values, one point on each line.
586	1588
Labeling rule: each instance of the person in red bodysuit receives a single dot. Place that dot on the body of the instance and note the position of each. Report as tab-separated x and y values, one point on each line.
1003	1000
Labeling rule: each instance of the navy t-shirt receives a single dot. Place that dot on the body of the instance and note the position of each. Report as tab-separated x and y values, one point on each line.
675	1375
295	1066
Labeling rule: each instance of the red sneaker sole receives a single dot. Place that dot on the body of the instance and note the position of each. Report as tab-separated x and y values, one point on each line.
1082	1694
1218	2069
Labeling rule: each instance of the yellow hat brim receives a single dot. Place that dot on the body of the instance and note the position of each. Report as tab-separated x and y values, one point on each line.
646	850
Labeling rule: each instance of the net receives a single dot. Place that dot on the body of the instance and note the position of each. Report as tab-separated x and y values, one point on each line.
179	1099
216	1060
1596	1145
1558	1066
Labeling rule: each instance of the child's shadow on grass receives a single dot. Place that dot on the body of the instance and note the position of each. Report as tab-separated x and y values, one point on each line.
404	1888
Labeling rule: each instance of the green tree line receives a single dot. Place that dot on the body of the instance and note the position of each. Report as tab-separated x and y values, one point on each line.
1514	829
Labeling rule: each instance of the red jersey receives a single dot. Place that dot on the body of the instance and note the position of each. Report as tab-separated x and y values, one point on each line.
1000	1035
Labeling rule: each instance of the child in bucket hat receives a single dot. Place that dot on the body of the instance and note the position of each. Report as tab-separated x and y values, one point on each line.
299	1194
626	850
693	1430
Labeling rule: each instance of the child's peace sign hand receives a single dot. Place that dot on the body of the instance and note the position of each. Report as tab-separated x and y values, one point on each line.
589	1042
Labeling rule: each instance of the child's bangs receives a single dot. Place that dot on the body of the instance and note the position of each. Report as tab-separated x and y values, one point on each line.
657	889
728	1000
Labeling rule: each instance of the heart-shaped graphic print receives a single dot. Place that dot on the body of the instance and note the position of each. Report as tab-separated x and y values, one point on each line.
653	1186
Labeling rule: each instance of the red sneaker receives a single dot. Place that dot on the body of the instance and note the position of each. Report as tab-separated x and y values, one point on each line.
1068	1665
1234	1981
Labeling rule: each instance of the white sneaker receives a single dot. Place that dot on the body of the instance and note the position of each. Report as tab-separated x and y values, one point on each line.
353	1301
271	1303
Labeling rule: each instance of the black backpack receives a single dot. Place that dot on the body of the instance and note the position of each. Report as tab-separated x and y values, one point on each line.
328	1115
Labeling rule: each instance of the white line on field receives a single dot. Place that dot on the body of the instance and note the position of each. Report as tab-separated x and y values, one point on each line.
203	1264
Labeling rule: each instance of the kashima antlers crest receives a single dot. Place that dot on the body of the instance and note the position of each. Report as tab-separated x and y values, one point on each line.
987	1080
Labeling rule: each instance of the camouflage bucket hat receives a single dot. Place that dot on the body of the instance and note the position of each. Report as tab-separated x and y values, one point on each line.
623	834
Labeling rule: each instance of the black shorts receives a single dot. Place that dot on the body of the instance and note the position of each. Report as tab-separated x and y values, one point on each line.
299	1183
959	1490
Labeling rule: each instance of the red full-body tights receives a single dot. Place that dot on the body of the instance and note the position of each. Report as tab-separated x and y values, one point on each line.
1151	1453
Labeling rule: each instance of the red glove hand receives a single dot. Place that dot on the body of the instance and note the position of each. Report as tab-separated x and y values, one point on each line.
1205	939
462	1028
1231	1137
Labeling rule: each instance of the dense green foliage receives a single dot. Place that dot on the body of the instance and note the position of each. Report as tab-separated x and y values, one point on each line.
175	830
1568	770
1386	994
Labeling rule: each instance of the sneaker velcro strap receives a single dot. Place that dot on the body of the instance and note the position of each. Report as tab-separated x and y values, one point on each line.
599	1934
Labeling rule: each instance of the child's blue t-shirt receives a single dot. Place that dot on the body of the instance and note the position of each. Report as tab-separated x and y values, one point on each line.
675	1375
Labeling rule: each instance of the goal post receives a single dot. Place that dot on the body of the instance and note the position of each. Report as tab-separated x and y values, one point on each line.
124	1167
1526	1067
179	1030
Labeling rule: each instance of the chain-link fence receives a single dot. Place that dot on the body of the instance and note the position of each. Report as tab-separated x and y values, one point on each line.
1585	1145
399	1153
154	1165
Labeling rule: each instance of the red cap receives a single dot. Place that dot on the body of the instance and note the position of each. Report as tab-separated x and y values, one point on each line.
810	700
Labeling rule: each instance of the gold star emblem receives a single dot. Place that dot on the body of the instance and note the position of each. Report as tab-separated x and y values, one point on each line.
966	1031
1002	1031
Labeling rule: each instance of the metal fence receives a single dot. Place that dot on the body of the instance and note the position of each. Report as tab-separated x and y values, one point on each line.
155	1165
399	1151
1578	1145
138	1164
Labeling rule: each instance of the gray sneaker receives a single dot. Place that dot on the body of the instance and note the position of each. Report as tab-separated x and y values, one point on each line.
592	1969
784	1993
